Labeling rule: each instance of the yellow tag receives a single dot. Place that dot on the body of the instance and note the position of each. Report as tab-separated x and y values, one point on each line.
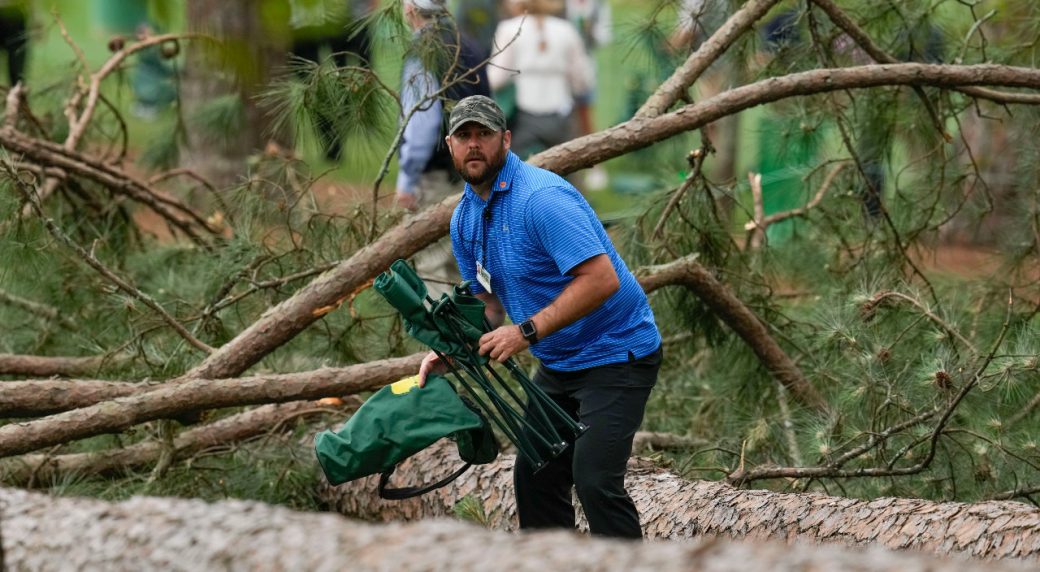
405	385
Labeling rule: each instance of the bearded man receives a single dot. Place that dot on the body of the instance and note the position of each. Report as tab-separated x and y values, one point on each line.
538	254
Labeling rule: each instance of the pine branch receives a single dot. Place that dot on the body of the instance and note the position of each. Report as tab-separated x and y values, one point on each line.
675	86
842	20
880	297
834	469
13	102
758	225
30	195
92	92
116	180
694	276
696	161
37	309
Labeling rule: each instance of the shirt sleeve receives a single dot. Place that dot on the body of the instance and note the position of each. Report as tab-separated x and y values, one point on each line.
423	128
561	220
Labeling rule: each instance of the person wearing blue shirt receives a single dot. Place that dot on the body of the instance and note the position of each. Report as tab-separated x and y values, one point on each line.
537	252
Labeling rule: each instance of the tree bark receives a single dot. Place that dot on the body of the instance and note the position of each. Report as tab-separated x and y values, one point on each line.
673	508
47	533
198	395
691	274
253	42
34	398
43	366
42	470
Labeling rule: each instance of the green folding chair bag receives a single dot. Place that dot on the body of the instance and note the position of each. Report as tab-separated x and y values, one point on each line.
406	292
398	421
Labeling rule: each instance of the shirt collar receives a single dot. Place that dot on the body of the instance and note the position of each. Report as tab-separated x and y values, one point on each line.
504	180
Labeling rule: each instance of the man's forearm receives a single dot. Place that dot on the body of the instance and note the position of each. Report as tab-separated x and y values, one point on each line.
594	282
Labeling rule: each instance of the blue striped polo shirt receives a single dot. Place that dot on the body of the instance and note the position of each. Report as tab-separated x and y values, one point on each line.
532	231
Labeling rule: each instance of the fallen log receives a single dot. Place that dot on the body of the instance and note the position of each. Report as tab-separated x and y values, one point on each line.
52	533
42	469
43	397
44	366
673	508
189	396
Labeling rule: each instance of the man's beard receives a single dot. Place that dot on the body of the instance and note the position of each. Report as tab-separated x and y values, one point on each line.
492	165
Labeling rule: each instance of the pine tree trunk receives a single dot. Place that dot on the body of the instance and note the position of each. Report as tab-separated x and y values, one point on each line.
253	43
673	508
43	533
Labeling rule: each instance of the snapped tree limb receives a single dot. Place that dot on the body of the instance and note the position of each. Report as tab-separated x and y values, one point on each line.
192	395
284	321
691	274
44	366
43	469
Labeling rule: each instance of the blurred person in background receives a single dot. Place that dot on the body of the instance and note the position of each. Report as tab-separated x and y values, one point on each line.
426	174
152	79
544	56
478	20
592	18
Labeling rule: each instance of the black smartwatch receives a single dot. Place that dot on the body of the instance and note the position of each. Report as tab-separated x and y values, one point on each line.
529	332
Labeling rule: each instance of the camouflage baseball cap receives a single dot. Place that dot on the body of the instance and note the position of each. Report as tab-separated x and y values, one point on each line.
477	108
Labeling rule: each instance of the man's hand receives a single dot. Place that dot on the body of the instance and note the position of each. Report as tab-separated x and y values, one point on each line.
431	364
502	343
407	201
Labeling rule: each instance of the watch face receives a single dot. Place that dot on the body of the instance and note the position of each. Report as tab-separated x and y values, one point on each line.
527	329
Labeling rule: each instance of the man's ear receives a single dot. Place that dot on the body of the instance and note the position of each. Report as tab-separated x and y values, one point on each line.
507	139
447	142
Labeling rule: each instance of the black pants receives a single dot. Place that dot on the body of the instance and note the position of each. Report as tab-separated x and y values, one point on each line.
610	400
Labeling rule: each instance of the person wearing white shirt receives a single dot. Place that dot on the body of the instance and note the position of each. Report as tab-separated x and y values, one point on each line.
545	58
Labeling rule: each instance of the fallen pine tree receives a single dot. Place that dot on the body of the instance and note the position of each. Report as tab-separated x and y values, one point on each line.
40	532
673	508
44	469
171	400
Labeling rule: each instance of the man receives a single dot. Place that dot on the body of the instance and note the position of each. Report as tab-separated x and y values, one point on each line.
425	175
538	253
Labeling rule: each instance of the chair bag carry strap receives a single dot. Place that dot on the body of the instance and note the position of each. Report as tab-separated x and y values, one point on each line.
402	493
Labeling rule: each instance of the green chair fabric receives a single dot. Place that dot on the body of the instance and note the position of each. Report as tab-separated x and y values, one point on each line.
398	421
